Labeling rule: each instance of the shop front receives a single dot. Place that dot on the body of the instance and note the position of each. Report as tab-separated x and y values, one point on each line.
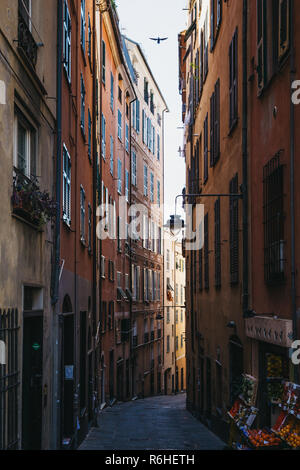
266	411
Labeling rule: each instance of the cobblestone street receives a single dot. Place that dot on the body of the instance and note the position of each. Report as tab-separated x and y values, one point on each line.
151	424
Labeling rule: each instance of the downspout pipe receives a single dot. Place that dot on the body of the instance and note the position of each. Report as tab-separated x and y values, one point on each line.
245	295
292	186
56	267
94	246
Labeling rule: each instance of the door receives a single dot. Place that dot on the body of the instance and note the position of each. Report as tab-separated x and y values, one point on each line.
32	383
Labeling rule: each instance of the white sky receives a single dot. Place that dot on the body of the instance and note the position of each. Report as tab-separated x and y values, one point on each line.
143	19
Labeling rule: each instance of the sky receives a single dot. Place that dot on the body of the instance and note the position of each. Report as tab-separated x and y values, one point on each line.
140	20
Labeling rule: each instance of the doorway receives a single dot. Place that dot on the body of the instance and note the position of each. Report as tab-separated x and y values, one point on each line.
32	380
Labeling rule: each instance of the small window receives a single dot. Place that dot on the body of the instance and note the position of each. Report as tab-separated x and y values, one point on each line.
127	185
119	125
66	186
111	155
103	142
119	176
82	25
82	214
26	146
82	107
134	168
127	138
67	41
145	180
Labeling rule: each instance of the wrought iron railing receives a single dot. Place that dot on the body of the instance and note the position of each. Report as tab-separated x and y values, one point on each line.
26	41
9	379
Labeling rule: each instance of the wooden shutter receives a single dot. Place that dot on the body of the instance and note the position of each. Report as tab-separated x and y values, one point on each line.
217	122
284	27
212	125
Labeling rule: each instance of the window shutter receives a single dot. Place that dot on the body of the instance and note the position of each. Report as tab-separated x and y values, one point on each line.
284	23
217	122
212	125
212	26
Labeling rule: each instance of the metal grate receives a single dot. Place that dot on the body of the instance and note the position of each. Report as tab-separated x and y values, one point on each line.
9	379
274	242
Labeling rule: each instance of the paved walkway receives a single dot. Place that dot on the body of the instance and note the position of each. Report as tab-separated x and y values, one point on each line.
156	423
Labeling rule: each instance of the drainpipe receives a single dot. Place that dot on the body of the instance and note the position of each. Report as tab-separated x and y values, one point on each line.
292	188
245	165
100	189
94	242
56	268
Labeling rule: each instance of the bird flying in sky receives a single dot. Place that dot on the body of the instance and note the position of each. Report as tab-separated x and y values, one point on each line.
158	40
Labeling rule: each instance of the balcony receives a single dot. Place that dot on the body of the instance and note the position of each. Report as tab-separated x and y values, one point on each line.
30	203
26	42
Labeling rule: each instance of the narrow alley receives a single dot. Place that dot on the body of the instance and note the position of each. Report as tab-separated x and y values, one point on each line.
160	422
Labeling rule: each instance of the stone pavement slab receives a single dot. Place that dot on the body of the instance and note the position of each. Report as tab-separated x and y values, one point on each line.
156	423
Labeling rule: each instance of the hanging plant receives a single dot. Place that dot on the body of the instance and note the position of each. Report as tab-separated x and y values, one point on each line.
30	202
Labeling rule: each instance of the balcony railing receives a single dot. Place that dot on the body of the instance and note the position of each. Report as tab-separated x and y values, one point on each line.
26	41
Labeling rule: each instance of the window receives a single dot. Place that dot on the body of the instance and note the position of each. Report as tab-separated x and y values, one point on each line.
82	25
103	62
111	91
205	141
25	145
127	185
89	39
215	125
146	90
82	214
176	343
137	121
273	38
217	244
205	38
159	241
111	155
67	41
103	141
25	11
90	228
215	20
233	80
89	134
145	180
206	253
66	186
168	343
119	176
158	147
168	260
144	123
134	168
152	102
234	231
119	125
127	138
82	108
158	193
153	140
151	187
274	243
111	315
